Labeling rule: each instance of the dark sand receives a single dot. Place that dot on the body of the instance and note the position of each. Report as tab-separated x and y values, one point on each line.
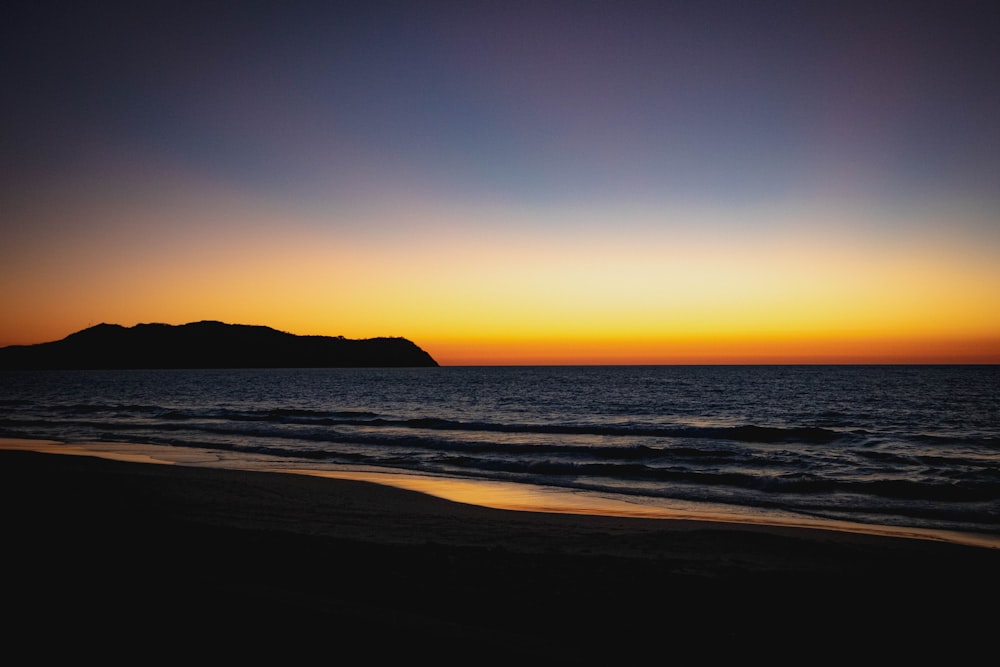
119	561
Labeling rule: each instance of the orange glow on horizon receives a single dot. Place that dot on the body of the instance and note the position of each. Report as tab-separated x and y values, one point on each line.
536	289
676	350
859	351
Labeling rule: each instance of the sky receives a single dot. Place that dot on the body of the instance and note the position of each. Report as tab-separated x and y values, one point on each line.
511	182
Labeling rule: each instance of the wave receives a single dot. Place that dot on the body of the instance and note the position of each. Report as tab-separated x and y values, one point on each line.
743	433
565	462
414	435
749	433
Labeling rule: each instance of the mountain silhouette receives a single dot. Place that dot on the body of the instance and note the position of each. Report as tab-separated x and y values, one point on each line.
208	344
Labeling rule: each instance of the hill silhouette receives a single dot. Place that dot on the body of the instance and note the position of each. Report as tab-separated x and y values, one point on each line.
208	344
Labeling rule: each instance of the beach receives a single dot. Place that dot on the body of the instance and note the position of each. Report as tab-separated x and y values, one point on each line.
104	556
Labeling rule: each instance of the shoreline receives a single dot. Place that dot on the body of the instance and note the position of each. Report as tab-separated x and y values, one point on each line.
494	494
114	555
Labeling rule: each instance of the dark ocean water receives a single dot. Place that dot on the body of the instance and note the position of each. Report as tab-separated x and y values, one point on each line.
915	446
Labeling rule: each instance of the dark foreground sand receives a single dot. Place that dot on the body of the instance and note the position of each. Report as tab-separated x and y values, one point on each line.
128	561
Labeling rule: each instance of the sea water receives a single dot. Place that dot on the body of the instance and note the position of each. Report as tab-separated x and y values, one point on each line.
910	446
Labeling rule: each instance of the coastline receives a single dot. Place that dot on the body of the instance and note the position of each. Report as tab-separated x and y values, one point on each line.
494	494
254	561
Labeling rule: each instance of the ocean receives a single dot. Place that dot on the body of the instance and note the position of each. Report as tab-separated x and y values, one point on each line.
904	446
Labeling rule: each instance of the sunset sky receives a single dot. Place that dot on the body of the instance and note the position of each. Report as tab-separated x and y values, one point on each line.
511	182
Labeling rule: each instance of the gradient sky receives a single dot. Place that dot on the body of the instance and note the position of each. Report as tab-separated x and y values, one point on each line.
508	182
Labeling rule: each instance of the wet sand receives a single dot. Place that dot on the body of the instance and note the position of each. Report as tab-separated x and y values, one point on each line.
105	557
